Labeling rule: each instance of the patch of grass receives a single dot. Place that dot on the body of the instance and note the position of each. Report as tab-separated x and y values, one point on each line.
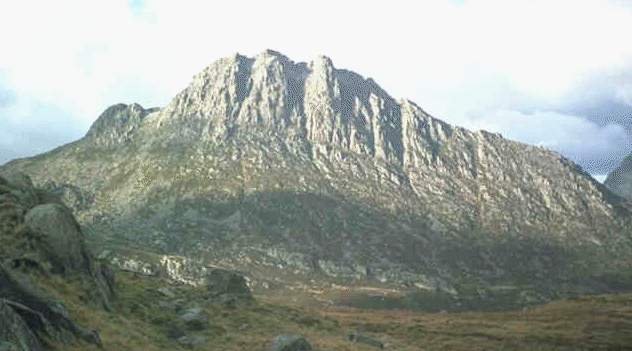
142	319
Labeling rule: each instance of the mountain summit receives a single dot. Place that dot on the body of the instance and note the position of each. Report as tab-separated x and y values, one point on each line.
290	171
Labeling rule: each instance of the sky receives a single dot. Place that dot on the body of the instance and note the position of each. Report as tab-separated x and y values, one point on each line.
552	73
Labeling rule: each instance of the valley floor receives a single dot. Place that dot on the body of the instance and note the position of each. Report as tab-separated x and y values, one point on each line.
143	320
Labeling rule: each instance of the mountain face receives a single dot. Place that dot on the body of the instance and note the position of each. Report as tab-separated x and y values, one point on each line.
620	180
291	171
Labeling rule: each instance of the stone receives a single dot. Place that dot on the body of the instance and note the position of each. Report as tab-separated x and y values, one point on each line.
290	343
60	237
117	124
166	292
60	241
194	318
356	337
221	282
192	341
16	179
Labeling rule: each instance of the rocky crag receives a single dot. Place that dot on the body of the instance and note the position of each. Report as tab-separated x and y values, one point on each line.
310	174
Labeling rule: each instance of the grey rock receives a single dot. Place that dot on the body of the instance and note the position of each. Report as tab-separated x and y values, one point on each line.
60	237
16	179
61	241
221	282
356	337
167	292
117	124
192	341
290	343
194	318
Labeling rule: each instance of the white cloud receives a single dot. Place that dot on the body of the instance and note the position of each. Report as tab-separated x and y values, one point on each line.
455	59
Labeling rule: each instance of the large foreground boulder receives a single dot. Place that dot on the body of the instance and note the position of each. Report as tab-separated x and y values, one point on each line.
225	283
60	245
356	337
60	237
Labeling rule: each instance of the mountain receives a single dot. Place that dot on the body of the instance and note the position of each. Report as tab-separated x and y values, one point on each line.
620	180
308	176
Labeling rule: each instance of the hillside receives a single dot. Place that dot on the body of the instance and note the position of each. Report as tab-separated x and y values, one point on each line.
620	180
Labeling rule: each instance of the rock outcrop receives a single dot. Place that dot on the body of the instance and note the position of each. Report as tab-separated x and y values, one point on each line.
117	124
15	334
39	239
224	283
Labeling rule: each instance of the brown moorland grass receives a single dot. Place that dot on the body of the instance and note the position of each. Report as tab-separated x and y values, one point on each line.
601	322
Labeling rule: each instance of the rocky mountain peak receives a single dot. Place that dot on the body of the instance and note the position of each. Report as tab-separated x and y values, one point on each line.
117	124
313	104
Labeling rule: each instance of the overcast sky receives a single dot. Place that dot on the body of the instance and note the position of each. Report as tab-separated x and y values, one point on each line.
551	73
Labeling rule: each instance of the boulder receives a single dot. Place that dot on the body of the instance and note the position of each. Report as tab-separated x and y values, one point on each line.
194	318
192	341
16	179
221	282
290	343
60	243
20	186
60	238
166	292
356	337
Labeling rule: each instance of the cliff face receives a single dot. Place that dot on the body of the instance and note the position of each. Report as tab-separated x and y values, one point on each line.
302	168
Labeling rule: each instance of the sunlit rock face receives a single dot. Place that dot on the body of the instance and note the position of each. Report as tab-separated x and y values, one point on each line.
269	165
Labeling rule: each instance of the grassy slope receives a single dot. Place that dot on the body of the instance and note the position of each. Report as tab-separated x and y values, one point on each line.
139	323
